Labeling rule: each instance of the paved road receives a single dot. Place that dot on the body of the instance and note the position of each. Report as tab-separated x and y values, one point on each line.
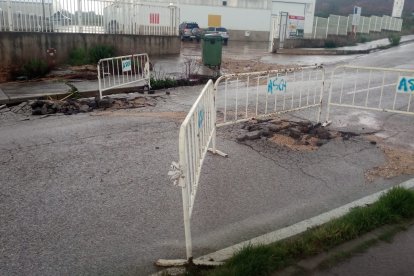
88	194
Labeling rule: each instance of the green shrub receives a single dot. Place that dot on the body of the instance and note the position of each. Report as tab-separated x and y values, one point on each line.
394	39
78	56
35	68
162	83
363	39
330	44
99	52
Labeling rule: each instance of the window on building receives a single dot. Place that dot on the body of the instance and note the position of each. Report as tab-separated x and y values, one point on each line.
224	3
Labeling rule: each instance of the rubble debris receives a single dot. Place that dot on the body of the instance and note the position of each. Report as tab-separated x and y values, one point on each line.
74	106
295	135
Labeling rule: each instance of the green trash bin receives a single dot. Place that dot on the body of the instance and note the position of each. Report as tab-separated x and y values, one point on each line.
212	50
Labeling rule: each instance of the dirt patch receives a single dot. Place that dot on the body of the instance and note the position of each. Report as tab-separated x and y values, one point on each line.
398	161
74	106
294	135
180	116
234	66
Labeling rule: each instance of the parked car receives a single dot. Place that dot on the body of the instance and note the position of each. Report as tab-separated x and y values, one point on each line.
219	31
190	30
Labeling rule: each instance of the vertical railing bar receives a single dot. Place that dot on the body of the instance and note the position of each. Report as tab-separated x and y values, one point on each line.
382	89
294	89
395	97
225	100
369	88
355	87
315	88
247	96
310	79
301	89
237	95
342	86
267	93
284	93
257	95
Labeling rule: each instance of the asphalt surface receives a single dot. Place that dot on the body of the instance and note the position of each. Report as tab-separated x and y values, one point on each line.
89	194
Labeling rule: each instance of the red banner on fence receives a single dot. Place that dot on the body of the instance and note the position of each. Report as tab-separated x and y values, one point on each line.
154	18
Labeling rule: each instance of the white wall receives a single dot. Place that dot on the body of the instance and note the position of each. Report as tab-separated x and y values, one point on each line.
231	18
304	8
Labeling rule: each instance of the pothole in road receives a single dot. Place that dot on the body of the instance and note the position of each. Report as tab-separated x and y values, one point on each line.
294	135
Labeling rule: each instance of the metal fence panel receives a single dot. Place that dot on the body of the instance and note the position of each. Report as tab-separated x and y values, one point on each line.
197	132
121	71
372	88
241	97
89	16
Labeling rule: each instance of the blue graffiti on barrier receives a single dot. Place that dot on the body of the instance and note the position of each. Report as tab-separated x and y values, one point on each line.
405	85
276	84
200	118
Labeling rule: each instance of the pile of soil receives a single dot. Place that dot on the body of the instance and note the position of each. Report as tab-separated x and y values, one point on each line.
233	66
75	106
295	135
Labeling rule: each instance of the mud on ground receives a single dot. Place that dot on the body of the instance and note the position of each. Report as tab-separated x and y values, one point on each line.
399	161
234	66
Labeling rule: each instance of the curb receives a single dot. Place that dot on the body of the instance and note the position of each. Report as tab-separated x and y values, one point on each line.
84	94
300	227
301	51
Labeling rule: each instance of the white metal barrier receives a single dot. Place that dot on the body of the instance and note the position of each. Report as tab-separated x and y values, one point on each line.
89	16
371	88
196	133
121	71
241	97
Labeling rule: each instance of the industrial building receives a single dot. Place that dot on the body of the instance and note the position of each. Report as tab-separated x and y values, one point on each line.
250	20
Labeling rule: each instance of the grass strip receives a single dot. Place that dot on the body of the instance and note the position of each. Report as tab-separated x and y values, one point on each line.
393	207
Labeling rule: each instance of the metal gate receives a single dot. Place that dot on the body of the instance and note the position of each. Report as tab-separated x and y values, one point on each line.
241	97
371	88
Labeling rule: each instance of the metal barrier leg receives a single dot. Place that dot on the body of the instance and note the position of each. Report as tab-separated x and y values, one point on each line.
187	227
214	150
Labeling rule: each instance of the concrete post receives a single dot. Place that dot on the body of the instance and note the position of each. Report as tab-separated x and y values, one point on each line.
337	28
327	27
